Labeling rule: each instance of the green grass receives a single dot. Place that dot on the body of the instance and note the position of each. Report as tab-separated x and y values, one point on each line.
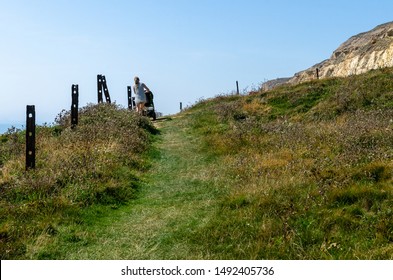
299	172
310	168
176	198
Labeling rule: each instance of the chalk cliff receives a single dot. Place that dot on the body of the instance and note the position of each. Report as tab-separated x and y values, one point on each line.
359	54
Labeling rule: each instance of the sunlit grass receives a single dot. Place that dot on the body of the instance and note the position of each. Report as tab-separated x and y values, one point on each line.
310	171
299	172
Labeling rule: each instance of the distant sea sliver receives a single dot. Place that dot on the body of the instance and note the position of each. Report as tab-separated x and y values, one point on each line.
4	127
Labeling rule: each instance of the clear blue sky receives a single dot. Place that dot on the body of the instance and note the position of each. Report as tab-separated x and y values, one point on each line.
182	49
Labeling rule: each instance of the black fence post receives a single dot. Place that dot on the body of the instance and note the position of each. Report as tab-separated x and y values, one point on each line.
30	137
237	88
74	106
317	73
181	106
106	91
99	88
129	97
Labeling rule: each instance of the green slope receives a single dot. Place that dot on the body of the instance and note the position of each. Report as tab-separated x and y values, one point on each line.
300	172
310	167
177	197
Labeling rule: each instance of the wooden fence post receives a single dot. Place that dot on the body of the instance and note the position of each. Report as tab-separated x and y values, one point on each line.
99	88
237	88
129	97
106	91
317	73
181	106
74	105
30	137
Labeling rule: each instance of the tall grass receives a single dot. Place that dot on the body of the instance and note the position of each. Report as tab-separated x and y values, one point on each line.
310	170
94	166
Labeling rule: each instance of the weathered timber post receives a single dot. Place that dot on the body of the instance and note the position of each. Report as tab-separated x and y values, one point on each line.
237	88
106	91
99	88
30	137
317	73
181	106
74	105
129	92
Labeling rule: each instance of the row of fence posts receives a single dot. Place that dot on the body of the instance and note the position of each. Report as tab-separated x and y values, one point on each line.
31	115
238	92
101	88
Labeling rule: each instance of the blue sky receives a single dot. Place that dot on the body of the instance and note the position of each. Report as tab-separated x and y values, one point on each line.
183	50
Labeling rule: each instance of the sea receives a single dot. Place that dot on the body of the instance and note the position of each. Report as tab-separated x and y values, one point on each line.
5	126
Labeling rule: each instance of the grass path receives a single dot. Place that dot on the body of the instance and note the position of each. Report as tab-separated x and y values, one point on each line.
178	197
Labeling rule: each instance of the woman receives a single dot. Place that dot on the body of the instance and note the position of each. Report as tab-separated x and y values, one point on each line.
140	96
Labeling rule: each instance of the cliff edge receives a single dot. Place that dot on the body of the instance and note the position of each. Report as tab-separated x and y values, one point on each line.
359	54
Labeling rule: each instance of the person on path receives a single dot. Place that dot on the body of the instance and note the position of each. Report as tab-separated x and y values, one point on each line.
140	90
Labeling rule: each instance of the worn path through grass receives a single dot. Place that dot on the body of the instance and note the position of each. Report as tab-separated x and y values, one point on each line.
177	198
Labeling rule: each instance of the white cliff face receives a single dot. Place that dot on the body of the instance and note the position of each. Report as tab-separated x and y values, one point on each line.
360	63
359	54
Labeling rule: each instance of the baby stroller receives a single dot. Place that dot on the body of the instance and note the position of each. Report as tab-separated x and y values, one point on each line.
149	106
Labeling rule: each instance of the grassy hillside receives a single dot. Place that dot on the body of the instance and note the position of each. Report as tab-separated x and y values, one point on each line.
308	170
300	172
80	175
